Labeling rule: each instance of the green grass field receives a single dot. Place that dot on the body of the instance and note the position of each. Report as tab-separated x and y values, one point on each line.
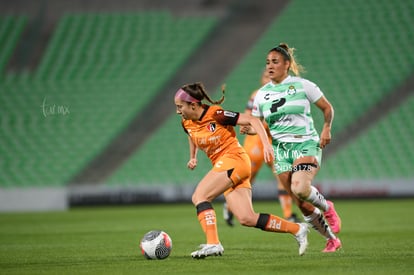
377	237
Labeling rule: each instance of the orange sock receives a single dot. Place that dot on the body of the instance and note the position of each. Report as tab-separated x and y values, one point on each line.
286	203
272	223
207	219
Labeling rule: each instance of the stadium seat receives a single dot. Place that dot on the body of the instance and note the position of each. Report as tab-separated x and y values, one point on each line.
98	71
383	151
11	27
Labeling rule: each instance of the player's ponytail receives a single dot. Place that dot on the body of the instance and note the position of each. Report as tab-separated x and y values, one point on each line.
197	91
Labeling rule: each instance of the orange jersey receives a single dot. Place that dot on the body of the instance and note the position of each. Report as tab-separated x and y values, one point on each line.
214	132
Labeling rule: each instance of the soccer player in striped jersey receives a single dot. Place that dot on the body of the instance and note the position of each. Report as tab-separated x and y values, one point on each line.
254	149
211	129
285	105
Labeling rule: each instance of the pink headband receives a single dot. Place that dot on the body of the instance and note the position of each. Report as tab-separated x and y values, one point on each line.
183	95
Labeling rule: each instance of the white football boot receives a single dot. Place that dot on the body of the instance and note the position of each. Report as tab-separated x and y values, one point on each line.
208	250
302	238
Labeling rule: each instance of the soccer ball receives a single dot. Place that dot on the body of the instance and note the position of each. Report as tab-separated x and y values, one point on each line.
156	244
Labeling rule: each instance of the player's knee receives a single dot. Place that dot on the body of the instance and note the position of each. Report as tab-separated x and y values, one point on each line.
301	179
298	188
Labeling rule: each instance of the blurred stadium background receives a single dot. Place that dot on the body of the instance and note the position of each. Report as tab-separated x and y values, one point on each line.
86	93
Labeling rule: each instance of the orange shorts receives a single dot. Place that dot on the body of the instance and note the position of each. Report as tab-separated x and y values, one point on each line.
238	165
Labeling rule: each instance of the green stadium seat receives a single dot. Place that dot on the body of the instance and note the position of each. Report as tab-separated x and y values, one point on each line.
102	68
11	27
384	151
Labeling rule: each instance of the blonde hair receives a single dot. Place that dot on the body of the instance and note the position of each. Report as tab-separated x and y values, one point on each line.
198	91
288	55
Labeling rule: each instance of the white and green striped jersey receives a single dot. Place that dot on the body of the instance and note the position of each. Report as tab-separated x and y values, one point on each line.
286	109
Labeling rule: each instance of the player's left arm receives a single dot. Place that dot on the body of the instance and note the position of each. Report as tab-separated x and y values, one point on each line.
192	163
328	113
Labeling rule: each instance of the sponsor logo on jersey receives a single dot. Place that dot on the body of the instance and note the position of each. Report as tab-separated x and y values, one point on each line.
230	114
211	127
291	90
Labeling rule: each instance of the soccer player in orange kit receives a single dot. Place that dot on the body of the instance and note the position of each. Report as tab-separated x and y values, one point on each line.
211	129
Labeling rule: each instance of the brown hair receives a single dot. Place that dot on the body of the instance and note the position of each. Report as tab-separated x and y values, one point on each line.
198	91
288	55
